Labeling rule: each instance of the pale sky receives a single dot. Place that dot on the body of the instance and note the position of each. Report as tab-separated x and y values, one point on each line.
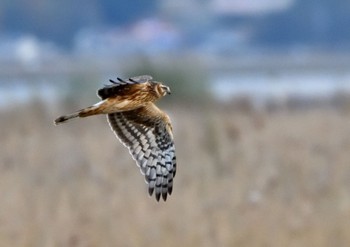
250	6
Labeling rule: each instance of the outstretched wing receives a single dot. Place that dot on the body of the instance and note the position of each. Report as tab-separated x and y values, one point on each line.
147	133
120	85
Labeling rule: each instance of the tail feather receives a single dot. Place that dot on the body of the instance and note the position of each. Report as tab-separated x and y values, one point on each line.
88	111
65	118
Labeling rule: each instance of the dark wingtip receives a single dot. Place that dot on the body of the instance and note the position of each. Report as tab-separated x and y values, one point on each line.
120	79
112	81
150	191
132	80
164	195
157	196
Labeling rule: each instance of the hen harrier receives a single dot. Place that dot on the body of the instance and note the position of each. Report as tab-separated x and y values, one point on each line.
141	126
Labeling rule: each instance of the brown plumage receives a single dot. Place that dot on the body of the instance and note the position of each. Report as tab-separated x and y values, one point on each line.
141	126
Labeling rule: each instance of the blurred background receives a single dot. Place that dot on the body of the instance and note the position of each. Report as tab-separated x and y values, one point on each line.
260	108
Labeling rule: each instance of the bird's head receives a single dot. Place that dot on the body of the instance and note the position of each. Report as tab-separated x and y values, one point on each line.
162	89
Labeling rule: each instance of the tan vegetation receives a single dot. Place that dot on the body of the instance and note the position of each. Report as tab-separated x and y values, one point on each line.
244	179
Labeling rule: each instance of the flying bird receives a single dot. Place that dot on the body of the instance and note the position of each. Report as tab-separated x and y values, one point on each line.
141	126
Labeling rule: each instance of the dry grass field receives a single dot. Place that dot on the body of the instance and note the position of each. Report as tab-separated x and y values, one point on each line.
244	179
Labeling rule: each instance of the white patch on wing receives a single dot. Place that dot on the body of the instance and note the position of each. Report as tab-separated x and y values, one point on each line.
99	103
122	104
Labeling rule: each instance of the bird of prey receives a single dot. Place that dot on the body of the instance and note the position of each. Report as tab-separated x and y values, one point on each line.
141	126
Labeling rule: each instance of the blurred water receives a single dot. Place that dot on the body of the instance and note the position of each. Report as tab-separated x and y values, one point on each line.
257	86
20	91
265	86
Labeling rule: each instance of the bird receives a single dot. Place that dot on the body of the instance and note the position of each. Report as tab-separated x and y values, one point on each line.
140	126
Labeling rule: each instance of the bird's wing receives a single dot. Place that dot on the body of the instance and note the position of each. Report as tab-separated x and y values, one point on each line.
140	79
121	85
147	133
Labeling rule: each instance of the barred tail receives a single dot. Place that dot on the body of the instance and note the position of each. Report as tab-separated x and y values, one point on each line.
65	118
89	111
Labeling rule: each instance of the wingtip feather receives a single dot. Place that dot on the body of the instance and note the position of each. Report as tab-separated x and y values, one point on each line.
157	196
